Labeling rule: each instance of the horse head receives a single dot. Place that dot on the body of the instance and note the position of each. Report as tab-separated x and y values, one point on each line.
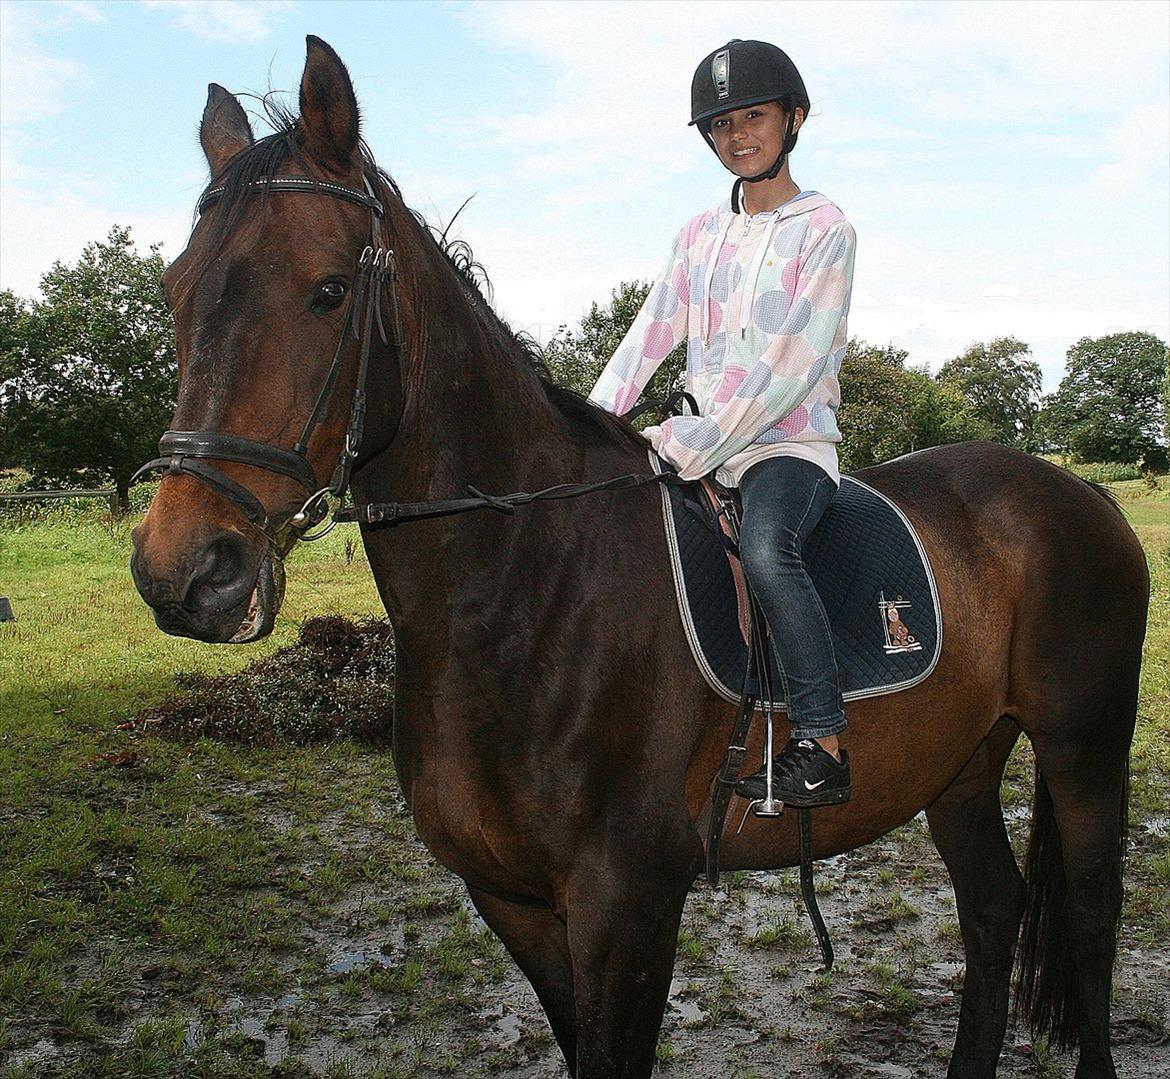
281	287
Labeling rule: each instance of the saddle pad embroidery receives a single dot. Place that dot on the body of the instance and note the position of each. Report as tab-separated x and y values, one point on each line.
868	566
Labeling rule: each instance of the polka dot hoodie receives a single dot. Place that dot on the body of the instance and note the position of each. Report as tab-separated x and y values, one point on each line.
761	301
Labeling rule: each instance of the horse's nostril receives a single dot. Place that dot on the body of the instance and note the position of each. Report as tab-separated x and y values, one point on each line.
199	589
219	563
223	575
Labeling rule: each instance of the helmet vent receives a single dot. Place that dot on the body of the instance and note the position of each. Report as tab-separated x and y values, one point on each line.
721	73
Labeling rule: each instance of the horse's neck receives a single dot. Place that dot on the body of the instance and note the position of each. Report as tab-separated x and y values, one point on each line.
473	415
476	415
487	606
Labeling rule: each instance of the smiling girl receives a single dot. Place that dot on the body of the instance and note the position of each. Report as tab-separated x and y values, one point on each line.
759	289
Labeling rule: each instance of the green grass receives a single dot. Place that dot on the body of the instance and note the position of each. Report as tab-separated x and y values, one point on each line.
1148	510
120	853
782	933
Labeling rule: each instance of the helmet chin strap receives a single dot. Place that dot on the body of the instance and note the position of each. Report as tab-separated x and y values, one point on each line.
771	173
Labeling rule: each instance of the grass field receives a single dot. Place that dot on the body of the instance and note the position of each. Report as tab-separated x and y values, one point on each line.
148	888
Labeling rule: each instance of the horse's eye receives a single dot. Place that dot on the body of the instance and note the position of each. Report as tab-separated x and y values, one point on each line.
329	295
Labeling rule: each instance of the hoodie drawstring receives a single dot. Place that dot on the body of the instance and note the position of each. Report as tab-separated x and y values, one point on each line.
752	281
748	303
712	263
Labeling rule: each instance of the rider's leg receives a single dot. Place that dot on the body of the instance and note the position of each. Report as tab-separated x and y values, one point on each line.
783	500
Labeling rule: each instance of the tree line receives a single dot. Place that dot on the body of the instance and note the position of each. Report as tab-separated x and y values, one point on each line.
1112	405
88	376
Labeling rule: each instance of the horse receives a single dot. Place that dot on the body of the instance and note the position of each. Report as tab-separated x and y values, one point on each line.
553	736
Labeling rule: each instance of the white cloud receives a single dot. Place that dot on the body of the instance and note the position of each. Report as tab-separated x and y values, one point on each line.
923	112
922	117
231	21
935	329
1135	151
34	84
539	286
51	221
43	227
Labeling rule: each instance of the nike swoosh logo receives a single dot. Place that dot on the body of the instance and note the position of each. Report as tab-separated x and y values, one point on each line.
812	786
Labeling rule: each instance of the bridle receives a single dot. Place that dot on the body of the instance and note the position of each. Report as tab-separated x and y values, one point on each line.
375	284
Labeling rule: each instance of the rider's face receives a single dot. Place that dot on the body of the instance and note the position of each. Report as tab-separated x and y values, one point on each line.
749	140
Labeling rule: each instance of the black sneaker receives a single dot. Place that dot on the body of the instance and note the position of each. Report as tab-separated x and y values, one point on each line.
803	774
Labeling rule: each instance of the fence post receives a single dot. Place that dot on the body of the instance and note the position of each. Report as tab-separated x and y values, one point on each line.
115	505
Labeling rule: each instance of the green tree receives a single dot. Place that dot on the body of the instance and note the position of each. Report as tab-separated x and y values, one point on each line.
887	409
1003	386
96	378
873	417
14	314
1111	405
941	413
577	357
1166	400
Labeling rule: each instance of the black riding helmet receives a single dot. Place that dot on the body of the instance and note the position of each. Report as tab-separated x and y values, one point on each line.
744	73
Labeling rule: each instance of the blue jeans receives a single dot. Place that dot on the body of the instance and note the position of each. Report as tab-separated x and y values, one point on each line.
783	499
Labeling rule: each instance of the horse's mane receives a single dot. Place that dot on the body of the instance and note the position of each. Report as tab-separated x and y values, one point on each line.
266	155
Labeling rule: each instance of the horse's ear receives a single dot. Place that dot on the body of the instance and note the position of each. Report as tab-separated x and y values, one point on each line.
225	130
329	110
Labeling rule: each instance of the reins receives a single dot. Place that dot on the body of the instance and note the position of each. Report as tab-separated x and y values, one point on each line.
400	512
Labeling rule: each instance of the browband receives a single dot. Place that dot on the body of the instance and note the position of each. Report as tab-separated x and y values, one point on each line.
297	183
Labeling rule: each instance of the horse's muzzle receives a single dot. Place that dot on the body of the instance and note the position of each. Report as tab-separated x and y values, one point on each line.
223	591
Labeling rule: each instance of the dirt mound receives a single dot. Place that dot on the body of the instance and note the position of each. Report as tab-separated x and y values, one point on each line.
337	681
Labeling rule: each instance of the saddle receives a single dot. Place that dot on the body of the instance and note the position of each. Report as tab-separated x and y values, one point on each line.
868	566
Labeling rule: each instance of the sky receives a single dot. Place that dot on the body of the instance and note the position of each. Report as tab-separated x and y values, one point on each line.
1006	165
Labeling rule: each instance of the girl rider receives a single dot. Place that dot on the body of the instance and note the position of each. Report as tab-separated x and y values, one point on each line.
759	290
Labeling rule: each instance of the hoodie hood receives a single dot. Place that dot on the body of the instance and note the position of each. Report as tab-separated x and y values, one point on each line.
803	203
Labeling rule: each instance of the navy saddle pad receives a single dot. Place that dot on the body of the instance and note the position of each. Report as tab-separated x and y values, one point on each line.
869	568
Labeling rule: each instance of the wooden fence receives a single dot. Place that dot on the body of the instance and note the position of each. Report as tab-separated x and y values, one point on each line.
109	493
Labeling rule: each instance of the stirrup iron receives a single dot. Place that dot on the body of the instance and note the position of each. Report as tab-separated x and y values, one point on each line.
767	806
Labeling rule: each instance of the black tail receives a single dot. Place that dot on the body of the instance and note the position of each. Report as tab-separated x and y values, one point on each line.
1047	994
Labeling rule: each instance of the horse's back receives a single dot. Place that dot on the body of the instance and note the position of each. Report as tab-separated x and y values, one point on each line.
1010	501
1041	563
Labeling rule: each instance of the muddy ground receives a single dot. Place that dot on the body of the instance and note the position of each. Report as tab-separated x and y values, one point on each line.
748	999
395	977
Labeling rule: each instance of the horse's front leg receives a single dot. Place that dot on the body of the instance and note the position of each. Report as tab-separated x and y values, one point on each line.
623	920
535	937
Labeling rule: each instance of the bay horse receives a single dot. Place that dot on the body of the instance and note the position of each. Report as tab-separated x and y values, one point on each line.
553	736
